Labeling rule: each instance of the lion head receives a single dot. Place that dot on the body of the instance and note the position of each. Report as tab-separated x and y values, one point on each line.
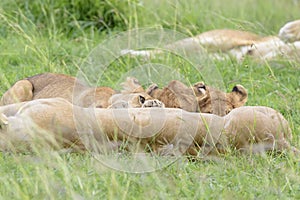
211	100
199	97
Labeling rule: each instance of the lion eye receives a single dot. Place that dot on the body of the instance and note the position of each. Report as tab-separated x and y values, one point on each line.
228	111
142	99
250	52
201	89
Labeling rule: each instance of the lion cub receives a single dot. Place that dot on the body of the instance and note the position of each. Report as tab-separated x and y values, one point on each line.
199	97
50	85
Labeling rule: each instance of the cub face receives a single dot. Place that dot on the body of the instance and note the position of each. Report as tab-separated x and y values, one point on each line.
199	97
211	100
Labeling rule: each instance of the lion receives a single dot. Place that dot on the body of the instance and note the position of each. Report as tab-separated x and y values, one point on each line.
223	43
258	129
247	129
273	48
218	43
57	124
290	32
213	41
199	97
50	85
285	45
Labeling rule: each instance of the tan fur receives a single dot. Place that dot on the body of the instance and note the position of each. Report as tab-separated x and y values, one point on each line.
199	97
52	123
20	92
258	129
214	101
235	43
273	48
133	95
175	95
219	40
50	85
11	109
60	124
290	32
223	39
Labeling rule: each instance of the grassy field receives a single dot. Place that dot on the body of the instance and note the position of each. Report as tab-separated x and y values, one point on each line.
57	36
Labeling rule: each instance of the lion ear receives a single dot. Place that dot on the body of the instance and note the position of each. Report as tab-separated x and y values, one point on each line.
200	87
241	93
151	88
3	119
131	85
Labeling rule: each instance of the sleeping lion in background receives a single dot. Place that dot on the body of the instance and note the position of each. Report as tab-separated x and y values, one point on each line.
236	44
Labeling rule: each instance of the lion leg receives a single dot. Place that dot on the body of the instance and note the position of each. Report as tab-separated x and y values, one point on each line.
21	91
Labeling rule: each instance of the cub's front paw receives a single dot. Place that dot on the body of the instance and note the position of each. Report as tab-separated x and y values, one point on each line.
153	103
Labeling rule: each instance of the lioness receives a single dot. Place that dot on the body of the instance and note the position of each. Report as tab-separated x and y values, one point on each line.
258	129
235	43
286	45
214	41
58	123
199	97
50	85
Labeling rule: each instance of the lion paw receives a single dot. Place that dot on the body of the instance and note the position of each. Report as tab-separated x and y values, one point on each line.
153	103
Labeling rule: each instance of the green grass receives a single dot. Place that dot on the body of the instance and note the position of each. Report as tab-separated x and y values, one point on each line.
56	36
